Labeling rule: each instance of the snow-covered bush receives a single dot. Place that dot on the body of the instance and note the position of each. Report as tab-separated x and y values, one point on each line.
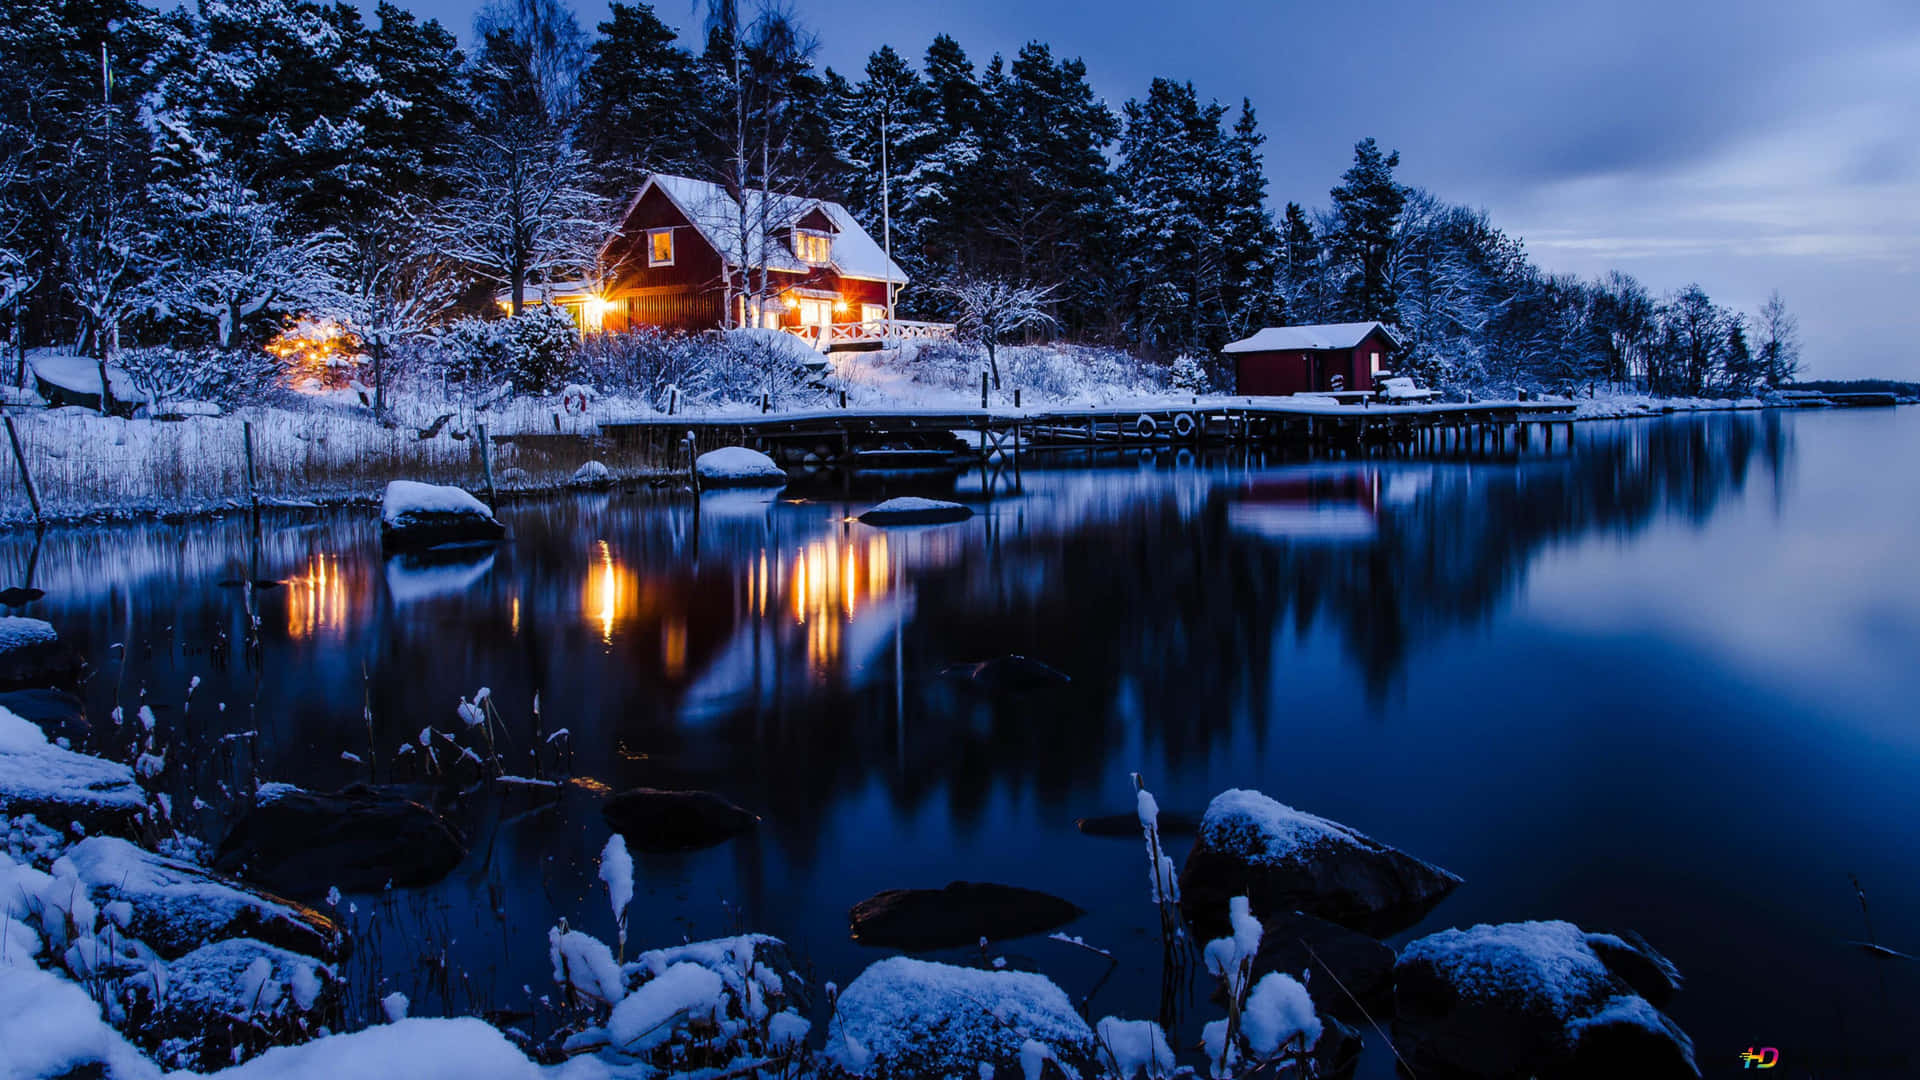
536	351
1189	376
227	376
649	362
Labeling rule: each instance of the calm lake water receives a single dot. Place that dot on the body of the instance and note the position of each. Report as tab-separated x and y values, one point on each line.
1666	682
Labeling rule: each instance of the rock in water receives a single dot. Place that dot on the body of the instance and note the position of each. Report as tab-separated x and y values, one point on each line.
414	516
57	713
1284	860
913	510
62	788
360	839
960	914
15	596
903	1018
593	475
33	656
1531	999
1013	674
737	466
178	907
1335	957
657	821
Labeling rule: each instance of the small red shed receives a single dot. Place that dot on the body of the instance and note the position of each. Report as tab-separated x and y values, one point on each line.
1282	360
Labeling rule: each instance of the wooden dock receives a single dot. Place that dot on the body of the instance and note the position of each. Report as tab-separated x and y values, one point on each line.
844	436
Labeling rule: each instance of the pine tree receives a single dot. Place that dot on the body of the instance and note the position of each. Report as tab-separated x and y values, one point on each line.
1302	265
640	100
1368	202
1173	177
1252	245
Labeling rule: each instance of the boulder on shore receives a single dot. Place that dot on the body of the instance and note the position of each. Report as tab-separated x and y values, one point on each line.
414	516
960	914
32	656
737	466
592	475
1534	999
1011	674
69	791
359	839
1286	860
177	907
658	821
228	1001
904	1018
913	510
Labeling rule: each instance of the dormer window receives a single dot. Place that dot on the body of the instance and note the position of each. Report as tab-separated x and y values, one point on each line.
659	247
814	248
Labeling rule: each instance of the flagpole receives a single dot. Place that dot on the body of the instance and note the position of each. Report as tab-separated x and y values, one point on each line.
886	215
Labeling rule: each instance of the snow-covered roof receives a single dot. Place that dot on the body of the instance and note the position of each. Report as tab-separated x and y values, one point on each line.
1323	336
717	216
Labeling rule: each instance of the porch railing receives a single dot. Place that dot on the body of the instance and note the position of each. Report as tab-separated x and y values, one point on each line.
874	332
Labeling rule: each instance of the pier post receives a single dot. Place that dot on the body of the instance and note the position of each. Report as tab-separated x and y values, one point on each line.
246	440
486	465
26	478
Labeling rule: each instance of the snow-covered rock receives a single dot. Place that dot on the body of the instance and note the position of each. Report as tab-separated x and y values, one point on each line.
905	1018
175	907
738	466
59	714
62	788
75	380
361	839
49	1026
231	1000
1289	860
415	515
913	510
592	474
1532	998
411	1049
32	655
960	914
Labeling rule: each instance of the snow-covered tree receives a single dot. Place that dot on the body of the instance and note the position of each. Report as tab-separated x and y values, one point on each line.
232	259
1778	331
1368	201
990	309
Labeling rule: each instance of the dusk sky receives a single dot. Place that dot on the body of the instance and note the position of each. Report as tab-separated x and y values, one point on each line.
1744	144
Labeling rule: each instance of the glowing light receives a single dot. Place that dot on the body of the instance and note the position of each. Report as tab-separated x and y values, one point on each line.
593	312
673	647
316	355
840	307
793	302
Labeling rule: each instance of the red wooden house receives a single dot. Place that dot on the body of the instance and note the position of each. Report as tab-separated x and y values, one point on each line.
689	256
1311	359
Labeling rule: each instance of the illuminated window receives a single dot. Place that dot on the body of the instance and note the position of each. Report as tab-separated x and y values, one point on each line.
1376	363
814	248
659	247
873	312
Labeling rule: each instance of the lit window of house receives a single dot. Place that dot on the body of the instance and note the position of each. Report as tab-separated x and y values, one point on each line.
814	248
873	312
659	247
1376	363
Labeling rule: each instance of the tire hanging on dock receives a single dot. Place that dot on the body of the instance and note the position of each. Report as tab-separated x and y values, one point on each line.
1146	426
1183	425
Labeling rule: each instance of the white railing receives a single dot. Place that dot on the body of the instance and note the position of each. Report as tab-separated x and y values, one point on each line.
874	332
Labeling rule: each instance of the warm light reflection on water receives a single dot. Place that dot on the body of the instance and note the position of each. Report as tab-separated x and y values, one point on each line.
317	599
611	595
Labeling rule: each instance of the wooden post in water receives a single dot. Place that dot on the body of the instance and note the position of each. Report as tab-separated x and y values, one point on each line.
486	465
253	482
26	478
983	389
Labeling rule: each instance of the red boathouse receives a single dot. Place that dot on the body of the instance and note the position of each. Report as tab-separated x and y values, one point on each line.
1282	360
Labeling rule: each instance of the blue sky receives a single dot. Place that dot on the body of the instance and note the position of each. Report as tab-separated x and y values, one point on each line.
1744	144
